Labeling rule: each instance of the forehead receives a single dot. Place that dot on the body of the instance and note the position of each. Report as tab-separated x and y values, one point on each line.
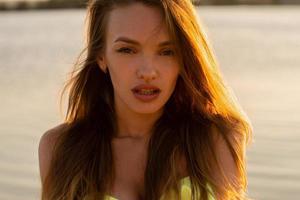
138	21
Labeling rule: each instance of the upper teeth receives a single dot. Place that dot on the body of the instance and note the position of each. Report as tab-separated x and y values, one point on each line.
146	91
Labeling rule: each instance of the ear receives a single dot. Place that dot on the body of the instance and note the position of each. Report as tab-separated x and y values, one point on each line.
102	63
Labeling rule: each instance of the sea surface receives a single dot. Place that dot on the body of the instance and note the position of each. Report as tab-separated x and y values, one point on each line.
257	47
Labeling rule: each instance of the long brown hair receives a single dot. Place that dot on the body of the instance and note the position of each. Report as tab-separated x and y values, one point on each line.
201	106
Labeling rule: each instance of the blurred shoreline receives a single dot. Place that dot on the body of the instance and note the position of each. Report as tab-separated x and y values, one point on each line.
39	4
8	5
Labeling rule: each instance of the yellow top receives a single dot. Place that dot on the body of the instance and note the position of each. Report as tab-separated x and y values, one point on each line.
186	192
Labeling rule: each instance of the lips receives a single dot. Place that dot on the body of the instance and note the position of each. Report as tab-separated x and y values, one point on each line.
146	93
145	89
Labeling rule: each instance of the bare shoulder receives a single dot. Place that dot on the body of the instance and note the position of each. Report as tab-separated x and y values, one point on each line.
223	149
226	158
233	136
48	139
45	148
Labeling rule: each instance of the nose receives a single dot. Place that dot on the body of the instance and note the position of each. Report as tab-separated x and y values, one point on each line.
147	72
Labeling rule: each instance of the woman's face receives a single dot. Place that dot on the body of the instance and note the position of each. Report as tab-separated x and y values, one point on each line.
140	58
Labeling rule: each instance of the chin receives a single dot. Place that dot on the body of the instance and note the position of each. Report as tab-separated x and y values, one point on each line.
147	109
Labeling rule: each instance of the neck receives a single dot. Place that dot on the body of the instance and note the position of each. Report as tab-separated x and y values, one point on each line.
135	125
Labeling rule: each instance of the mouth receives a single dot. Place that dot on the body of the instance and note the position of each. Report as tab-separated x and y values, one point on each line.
146	89
146	93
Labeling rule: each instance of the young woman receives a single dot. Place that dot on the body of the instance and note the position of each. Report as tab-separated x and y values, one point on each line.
149	115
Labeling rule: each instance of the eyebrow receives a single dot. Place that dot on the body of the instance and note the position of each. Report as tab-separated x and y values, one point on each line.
131	41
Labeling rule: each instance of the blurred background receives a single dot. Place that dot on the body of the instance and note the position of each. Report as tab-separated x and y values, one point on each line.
257	43
46	4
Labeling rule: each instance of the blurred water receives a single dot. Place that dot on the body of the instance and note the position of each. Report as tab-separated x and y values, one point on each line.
258	51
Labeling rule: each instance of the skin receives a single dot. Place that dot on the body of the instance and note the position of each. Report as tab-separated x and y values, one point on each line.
144	61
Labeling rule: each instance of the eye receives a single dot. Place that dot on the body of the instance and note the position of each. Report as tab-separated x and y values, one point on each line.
168	53
125	50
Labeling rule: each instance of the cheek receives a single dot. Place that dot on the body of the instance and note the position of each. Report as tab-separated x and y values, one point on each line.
172	72
173	75
119	77
120	73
